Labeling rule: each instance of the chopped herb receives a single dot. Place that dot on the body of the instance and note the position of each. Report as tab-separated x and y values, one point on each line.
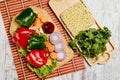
92	41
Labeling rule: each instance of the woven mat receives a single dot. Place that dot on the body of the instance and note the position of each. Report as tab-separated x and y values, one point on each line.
11	7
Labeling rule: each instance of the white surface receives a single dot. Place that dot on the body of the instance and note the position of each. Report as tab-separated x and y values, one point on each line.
107	13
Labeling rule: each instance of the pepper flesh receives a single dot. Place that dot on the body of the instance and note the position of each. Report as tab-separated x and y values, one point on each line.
37	58
22	36
36	42
26	17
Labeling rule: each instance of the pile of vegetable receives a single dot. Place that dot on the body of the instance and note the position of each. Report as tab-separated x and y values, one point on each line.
92	42
42	52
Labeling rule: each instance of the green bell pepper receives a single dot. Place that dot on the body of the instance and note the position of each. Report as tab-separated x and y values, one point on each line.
26	17
37	42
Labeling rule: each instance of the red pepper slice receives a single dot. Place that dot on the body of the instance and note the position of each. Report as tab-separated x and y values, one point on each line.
22	36
38	58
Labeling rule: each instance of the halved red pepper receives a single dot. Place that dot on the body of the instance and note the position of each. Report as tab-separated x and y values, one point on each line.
37	58
22	36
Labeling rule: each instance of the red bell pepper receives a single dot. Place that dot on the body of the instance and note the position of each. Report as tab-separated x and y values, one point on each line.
37	58
22	36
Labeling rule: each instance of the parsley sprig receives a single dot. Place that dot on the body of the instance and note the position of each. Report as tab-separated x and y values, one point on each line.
92	41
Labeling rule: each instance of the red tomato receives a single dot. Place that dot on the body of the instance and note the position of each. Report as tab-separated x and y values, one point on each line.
38	58
22	36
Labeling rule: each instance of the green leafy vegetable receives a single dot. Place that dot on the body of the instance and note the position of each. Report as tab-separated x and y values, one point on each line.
73	44
44	70
23	51
92	41
36	42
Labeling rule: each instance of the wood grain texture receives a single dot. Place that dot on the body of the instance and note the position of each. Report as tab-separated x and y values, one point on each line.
107	13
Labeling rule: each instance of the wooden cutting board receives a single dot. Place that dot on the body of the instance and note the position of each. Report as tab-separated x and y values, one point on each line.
58	6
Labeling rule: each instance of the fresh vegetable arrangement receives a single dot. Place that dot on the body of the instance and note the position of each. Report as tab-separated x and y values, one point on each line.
92	42
42	46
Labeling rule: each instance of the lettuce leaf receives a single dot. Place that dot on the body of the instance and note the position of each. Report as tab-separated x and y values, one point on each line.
23	52
44	70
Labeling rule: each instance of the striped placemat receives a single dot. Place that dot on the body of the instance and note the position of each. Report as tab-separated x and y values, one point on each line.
11	7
